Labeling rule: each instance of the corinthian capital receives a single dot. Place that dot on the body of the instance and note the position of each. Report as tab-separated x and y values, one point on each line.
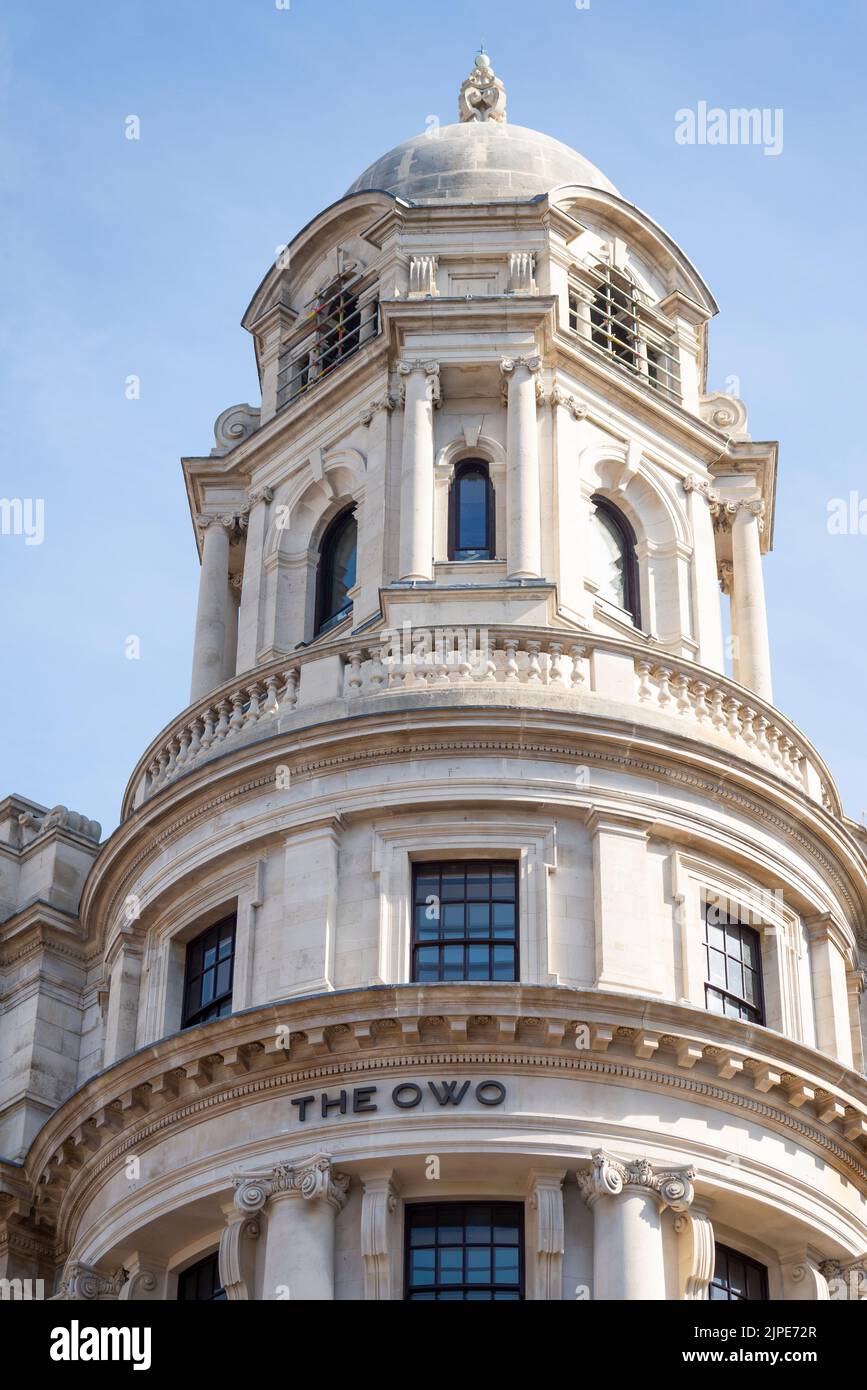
81	1281
314	1180
609	1177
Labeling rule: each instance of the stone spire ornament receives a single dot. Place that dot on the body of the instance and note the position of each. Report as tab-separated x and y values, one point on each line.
483	96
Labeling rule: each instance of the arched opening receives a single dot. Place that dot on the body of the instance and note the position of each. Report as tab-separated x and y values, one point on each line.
471	512
613	561
613	316
336	571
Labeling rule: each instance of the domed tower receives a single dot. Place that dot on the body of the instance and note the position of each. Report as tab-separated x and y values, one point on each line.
473	932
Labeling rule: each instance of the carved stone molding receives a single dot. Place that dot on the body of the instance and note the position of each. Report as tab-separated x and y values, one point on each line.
726	572
423	276
577	409
483	95
431	370
81	1282
698	1251
235	1257
609	1177
261	494
726	413
205	519
378	1205
232	427
387	403
313	1180
522	269
546	1201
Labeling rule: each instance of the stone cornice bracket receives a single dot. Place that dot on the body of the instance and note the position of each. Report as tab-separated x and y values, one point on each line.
432	372
260	494
693	483
482	96
232	427
81	1281
387	403
609	1177
314	1180
577	409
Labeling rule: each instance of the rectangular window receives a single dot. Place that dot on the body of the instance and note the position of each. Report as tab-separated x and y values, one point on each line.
465	921
200	1283
464	1252
737	1279
209	970
733	966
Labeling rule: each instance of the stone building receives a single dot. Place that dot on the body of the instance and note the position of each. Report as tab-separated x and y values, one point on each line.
472	933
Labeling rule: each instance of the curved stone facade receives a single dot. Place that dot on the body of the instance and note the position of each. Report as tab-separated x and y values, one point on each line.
639	1124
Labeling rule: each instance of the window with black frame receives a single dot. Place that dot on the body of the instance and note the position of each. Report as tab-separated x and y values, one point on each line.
613	558
471	513
465	1252
200	1283
733	965
335	578
465	920
737	1278
208	977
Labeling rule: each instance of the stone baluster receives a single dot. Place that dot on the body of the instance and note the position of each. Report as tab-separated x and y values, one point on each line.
555	672
511	647
534	666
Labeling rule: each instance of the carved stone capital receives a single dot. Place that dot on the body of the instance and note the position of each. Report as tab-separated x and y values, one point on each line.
577	409
205	519
386	403
431	371
509	364
81	1282
261	494
314	1180
609	1177
726	572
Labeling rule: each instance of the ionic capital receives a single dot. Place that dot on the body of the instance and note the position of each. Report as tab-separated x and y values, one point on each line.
260	494
431	371
313	1181
82	1282
609	1177
206	519
509	364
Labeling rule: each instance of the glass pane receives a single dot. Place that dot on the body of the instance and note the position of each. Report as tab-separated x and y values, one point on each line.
422	1266
426	927
755	1284
224	977
751	986
714	1001
426	886
479	1264
736	977
452	915
427	962
505	1265
503	963
210	955
472	511
737	1276
207	987
478	963
478	1225
502	881
478	882
504	918
750	951
608	558
717	967
733	941
716	936
453	962
453	881
451	1228
505	1235
478	919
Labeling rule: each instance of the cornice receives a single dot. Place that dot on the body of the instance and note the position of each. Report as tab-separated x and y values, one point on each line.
593	1035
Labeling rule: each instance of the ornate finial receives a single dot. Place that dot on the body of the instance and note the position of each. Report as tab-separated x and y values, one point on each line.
483	96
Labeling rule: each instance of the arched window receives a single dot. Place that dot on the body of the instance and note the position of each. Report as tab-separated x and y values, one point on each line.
471	513
613	563
336	574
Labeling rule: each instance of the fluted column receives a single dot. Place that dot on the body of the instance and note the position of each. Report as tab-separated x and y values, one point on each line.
523	495
748	588
627	1200
421	392
301	1203
210	640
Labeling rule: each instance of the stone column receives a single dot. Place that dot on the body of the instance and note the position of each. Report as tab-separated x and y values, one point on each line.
708	616
210	640
421	392
627	1200
523	496
248	617
301	1203
748	587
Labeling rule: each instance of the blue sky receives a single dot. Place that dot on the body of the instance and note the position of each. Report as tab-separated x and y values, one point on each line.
129	257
